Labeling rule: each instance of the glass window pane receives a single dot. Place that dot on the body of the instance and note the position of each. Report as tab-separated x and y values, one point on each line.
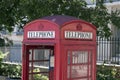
30	54
79	57
39	76
41	64
90	56
69	60
82	79
79	65
68	72
79	71
41	54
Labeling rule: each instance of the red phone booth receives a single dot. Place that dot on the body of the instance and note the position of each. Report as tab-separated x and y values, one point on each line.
63	46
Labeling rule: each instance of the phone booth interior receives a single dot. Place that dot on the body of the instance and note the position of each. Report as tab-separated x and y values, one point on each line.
59	48
39	57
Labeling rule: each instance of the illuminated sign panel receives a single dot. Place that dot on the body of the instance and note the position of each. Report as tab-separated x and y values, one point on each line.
41	34
78	35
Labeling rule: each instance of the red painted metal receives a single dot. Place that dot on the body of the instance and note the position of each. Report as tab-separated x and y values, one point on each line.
62	46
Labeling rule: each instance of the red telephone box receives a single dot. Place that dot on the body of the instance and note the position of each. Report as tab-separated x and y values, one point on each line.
63	46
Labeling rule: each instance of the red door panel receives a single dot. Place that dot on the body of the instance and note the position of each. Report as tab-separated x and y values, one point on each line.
79	63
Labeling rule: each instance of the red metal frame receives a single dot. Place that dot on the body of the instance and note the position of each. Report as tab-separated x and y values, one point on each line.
60	24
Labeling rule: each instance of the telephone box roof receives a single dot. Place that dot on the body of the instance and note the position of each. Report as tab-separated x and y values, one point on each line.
60	19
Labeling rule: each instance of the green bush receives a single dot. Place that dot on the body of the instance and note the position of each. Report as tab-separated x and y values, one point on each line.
39	76
108	72
10	70
2	55
14	71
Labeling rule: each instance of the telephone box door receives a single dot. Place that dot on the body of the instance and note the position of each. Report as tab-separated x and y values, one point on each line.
39	63
80	63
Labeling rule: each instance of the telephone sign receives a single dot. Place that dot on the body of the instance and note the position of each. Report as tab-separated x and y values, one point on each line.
78	35
41	34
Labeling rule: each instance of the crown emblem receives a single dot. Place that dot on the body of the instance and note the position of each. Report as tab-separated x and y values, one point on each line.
79	26
40	26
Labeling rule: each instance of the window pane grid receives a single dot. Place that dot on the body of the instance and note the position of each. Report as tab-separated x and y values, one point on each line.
79	65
